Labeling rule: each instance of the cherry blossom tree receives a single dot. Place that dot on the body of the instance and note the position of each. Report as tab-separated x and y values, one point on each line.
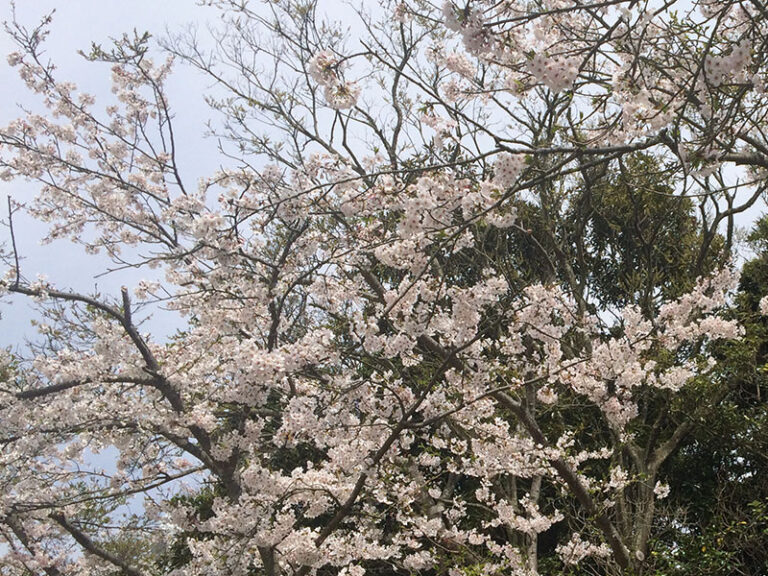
368	379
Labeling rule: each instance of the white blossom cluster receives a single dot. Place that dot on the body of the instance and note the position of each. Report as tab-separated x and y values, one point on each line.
325	68
718	68
361	379
507	168
557	73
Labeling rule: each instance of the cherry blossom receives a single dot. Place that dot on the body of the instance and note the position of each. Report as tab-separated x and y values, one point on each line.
362	379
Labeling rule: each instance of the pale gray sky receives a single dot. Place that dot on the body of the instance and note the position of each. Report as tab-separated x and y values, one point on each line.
76	23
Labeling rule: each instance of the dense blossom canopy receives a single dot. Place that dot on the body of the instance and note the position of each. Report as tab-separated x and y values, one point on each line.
368	380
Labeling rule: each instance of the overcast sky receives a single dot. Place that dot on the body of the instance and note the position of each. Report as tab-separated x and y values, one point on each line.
76	23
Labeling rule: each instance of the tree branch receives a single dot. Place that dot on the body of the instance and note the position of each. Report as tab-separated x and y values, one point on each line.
90	546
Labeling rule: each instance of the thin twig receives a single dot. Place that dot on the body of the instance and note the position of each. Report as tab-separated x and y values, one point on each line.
13	243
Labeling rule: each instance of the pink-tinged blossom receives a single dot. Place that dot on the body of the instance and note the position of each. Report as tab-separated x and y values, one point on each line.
443	128
661	490
401	14
460	64
323	67
557	73
763	306
718	69
506	169
576	550
341	95
353	348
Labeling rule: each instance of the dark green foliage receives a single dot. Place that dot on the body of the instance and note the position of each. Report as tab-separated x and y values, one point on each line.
612	239
716	522
643	242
